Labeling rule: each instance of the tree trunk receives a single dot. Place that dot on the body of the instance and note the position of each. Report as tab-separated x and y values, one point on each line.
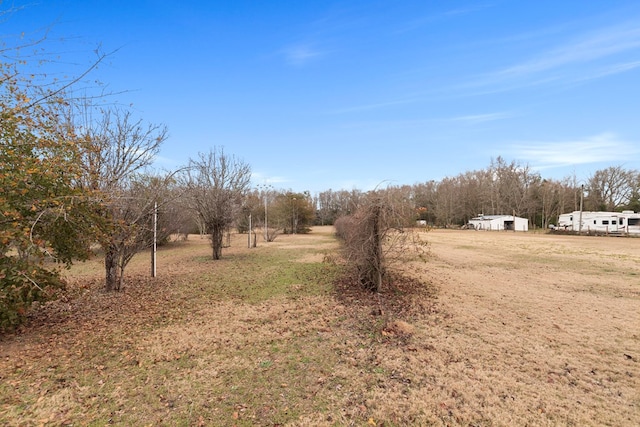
121	268
112	282
377	249
216	242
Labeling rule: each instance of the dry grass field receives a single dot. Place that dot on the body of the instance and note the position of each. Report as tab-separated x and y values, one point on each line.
506	329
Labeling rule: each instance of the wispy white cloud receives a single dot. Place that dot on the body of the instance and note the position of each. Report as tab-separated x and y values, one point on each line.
610	70
475	119
372	106
433	122
301	54
465	10
261	178
325	35
421	22
164	161
563	62
604	147
602	44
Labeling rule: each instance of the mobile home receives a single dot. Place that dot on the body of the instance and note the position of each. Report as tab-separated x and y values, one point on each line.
625	222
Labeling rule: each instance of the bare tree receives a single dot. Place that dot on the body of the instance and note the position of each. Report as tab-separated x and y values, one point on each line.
634	202
270	227
216	186
447	195
173	218
610	188
424	200
292	213
115	148
326	207
130	231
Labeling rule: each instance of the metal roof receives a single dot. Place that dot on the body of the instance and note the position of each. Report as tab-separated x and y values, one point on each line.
492	217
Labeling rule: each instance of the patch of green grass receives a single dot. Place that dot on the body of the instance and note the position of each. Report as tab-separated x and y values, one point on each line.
266	364
107	373
263	275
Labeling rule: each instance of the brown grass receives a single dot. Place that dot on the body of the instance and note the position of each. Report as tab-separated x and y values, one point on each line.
494	329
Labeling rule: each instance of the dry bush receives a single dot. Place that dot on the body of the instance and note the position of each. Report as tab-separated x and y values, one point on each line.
376	237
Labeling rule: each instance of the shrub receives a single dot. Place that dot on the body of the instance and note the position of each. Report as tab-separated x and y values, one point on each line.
22	283
375	237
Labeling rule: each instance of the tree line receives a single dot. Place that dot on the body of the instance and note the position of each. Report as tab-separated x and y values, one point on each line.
501	188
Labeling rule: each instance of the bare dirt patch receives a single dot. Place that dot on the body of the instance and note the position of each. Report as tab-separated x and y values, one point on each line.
494	329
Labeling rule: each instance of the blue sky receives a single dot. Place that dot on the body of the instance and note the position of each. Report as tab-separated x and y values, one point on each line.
350	94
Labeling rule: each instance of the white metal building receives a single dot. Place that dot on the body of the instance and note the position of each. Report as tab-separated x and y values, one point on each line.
499	223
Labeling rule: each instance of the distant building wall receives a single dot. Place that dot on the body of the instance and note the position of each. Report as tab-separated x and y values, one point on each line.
500	223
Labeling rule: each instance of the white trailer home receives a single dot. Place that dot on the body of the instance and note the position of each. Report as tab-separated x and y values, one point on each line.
625	222
499	222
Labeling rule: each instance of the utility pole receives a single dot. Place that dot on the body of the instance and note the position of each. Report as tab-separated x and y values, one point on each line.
265	188
293	216
155	240
249	233
581	197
